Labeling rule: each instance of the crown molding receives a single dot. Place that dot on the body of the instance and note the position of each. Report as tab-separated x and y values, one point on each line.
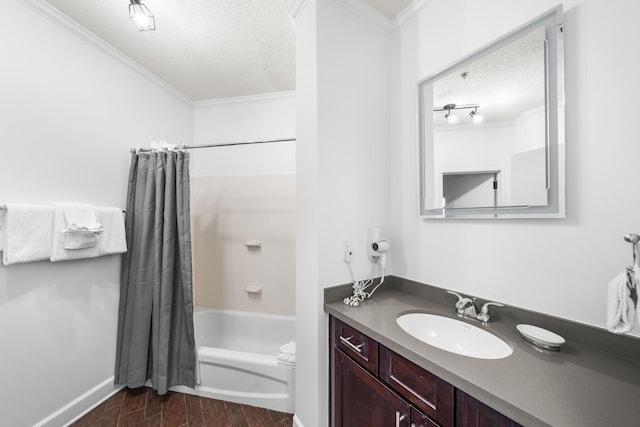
295	8
242	99
410	12
369	13
78	30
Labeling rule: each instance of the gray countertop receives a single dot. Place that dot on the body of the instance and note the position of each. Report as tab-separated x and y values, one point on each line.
580	385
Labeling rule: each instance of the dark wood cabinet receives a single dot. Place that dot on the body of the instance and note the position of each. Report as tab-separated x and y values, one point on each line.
471	412
372	386
424	390
418	419
357	345
362	400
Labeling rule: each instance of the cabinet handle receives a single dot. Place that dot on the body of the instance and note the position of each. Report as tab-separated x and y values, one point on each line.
348	343
399	418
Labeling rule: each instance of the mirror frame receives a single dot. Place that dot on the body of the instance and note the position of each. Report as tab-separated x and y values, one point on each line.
551	21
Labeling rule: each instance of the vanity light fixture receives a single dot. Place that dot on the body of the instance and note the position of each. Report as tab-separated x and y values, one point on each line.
475	116
453	118
141	16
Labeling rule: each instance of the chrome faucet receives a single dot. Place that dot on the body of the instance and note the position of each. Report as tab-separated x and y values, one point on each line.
484	311
466	307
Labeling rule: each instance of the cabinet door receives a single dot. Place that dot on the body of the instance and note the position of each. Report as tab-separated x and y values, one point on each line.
359	399
418	419
473	413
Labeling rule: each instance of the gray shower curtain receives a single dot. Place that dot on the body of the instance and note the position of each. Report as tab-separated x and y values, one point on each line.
155	324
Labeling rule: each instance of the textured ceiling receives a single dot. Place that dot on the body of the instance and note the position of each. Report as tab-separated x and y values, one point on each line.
206	49
506	83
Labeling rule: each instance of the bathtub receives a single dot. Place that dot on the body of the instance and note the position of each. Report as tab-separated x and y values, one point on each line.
237	358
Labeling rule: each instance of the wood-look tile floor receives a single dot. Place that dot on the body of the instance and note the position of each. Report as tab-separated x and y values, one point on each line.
144	407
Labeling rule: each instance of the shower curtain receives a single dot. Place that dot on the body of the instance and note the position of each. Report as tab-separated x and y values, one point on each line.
155	323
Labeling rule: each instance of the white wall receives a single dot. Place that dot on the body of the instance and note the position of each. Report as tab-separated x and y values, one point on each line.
342	173
309	321
250	118
560	267
68	115
468	149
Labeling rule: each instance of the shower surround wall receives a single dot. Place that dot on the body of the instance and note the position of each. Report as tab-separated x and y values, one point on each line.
70	112
229	211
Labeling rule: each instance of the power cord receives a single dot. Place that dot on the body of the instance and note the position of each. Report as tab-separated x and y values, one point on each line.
360	287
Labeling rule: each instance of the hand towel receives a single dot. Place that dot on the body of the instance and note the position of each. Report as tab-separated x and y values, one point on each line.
113	239
76	237
65	215
621	309
287	355
82	225
26	233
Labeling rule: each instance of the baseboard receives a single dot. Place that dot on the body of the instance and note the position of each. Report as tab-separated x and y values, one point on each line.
80	406
296	421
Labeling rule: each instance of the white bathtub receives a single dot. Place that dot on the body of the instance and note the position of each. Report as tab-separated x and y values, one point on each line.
237	358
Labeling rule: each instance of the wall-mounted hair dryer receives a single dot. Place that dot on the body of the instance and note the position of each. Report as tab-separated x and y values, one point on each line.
377	244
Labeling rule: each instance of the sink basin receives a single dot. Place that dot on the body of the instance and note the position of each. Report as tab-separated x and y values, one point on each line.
454	335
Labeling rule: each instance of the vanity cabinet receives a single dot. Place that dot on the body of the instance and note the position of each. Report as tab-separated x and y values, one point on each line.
372	386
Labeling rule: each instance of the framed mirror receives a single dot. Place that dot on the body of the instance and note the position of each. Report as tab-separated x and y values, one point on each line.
491	129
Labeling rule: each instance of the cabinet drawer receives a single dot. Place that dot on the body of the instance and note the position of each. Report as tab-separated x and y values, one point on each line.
427	392
360	347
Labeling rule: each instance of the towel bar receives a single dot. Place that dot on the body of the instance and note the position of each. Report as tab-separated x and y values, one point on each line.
4	208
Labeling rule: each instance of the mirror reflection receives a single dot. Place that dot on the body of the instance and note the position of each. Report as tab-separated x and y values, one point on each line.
489	133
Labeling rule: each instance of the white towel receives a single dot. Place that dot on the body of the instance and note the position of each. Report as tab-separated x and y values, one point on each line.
65	215
26	233
621	310
82	225
113	239
287	355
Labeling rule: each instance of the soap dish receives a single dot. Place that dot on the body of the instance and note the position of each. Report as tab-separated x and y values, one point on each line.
540	337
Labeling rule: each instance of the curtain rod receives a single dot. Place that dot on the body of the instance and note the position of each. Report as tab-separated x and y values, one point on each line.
227	144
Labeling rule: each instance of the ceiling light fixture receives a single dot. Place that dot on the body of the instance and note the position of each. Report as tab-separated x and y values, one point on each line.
141	16
453	118
475	116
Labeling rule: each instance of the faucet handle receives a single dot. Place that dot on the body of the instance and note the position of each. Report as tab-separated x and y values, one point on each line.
460	297
484	311
464	303
485	307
